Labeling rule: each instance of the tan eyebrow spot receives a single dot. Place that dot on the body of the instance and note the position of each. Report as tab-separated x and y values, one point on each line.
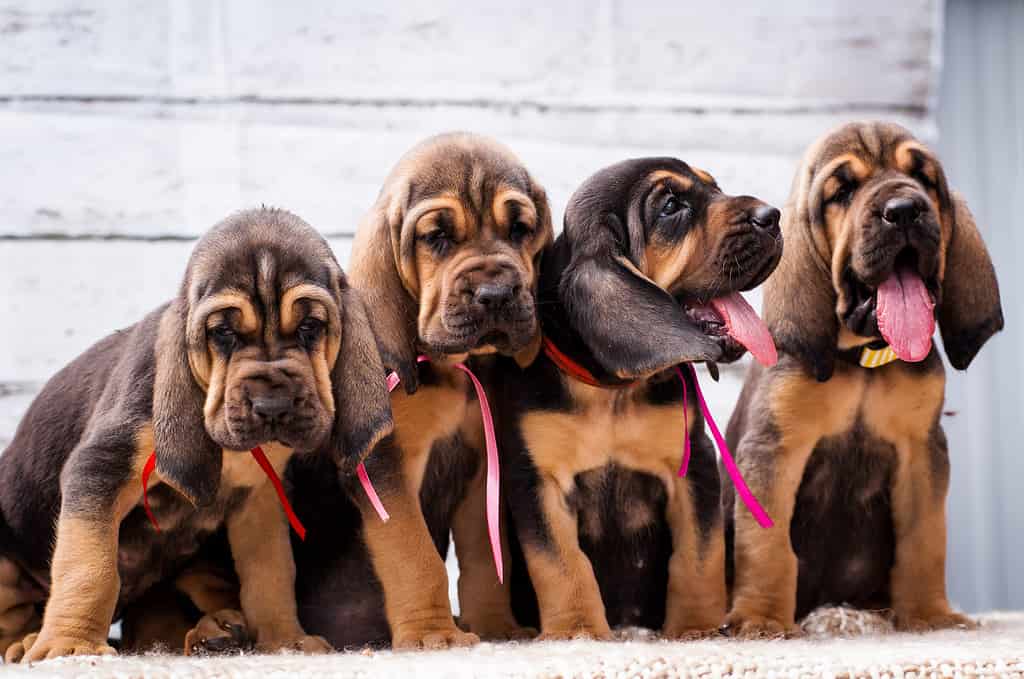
661	175
858	168
226	299
448	202
322	306
702	175
501	208
905	161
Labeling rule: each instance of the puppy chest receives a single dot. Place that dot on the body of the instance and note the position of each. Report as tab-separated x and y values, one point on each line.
631	434
432	413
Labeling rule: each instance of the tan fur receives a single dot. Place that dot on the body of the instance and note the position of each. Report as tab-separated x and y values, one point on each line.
261	547
409	283
617	426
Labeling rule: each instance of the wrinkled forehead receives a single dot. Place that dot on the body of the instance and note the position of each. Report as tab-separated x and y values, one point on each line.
476	177
260	278
865	150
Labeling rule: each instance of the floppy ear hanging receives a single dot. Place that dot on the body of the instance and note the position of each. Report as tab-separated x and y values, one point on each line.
186	457
799	299
374	269
970	311
362	406
631	326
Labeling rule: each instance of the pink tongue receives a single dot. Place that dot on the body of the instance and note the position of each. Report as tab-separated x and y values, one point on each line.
906	316
746	327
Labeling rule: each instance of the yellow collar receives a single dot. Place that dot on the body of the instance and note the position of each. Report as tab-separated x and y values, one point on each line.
876	358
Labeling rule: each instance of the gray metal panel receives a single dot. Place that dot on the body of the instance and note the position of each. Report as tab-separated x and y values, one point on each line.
982	144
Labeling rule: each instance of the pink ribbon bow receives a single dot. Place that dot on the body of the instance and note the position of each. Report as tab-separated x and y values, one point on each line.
493	471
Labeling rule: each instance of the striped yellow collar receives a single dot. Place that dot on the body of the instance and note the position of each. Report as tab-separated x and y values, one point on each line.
876	358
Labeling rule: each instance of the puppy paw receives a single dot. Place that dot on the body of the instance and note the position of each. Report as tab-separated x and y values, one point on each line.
596	632
684	633
927	622
748	626
218	633
498	628
434	637
35	647
306	643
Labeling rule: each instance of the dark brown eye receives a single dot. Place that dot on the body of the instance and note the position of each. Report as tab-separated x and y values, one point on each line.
437	240
309	330
223	337
519	232
843	193
673	205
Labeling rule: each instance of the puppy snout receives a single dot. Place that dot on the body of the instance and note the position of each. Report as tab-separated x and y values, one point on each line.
901	211
271	407
494	296
765	217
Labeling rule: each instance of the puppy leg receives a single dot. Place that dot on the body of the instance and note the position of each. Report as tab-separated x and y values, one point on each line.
562	575
764	593
485	603
411	574
18	616
223	628
919	518
84	590
262	551
696	573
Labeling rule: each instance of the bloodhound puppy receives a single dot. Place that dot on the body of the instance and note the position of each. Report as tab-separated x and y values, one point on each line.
447	262
841	440
645	276
265	345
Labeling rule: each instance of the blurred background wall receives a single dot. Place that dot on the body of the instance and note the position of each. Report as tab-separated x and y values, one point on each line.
128	128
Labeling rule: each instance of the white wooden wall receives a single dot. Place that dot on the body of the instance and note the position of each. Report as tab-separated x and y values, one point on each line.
129	127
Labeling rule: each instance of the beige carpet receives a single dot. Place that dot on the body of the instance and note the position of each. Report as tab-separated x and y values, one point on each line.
996	650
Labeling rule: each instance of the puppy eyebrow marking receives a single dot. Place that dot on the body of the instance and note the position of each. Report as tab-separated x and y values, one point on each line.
911	156
506	201
659	175
704	176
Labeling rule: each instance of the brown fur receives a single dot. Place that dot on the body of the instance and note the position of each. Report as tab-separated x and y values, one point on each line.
592	469
458	219
191	381
857	490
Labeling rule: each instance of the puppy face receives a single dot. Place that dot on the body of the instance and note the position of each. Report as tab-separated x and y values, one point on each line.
450	250
883	247
885	208
265	342
668	234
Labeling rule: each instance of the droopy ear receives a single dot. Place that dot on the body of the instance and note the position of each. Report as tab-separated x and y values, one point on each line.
799	298
970	311
186	457
374	270
362	406
631	326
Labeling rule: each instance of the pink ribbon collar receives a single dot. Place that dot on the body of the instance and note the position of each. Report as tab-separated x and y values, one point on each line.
493	471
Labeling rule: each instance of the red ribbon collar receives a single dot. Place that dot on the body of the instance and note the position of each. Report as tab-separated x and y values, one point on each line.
578	372
264	464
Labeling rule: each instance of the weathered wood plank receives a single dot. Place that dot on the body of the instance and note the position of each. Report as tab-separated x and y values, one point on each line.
174	170
59	297
784	54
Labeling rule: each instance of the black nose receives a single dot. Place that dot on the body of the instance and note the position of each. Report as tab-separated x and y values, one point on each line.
271	407
493	296
765	216
901	211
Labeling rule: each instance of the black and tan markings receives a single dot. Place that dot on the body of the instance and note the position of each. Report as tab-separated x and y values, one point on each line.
611	536
265	344
447	261
852	462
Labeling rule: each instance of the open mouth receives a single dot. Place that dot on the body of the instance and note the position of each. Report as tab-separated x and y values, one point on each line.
901	308
732	322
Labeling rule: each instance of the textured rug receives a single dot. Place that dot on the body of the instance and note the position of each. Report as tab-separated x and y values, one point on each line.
996	650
